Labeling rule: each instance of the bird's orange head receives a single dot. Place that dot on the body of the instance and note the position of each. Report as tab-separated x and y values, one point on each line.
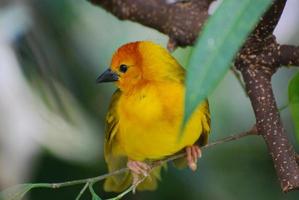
138	63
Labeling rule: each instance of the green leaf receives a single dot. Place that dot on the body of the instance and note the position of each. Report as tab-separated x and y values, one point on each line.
294	102
222	36
93	194
16	192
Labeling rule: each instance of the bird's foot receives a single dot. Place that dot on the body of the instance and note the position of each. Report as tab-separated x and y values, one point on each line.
139	171
193	153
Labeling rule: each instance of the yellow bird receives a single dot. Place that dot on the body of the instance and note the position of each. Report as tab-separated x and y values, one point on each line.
145	115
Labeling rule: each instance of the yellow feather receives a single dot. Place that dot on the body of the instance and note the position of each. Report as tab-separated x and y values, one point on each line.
145	115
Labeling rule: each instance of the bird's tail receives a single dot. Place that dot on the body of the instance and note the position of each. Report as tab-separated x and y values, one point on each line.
121	182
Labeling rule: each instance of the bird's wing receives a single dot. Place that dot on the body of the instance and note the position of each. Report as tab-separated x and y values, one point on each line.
111	126
113	160
206	124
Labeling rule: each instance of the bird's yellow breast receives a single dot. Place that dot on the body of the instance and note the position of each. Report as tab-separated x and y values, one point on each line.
150	121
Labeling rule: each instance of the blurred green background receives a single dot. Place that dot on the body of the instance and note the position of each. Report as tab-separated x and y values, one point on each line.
52	112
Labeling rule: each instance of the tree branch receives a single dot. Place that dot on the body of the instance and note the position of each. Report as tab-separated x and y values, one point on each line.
181	20
258	84
288	55
270	19
258	61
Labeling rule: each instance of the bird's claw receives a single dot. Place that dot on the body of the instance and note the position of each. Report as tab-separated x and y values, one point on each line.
139	167
193	153
138	170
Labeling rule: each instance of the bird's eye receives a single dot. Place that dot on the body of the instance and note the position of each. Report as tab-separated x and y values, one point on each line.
123	68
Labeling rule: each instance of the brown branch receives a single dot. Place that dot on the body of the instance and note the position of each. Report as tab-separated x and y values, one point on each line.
181	21
288	55
270	19
269	125
258	61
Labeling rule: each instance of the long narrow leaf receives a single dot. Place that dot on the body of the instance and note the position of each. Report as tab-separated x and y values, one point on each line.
223	35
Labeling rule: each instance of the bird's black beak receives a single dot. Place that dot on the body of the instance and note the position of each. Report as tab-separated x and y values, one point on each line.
107	76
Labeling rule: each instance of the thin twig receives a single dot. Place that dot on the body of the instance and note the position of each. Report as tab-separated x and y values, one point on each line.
81	181
131	188
252	131
239	79
82	191
90	181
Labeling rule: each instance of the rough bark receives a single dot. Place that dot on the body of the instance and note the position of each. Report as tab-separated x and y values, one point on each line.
181	20
288	55
258	60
